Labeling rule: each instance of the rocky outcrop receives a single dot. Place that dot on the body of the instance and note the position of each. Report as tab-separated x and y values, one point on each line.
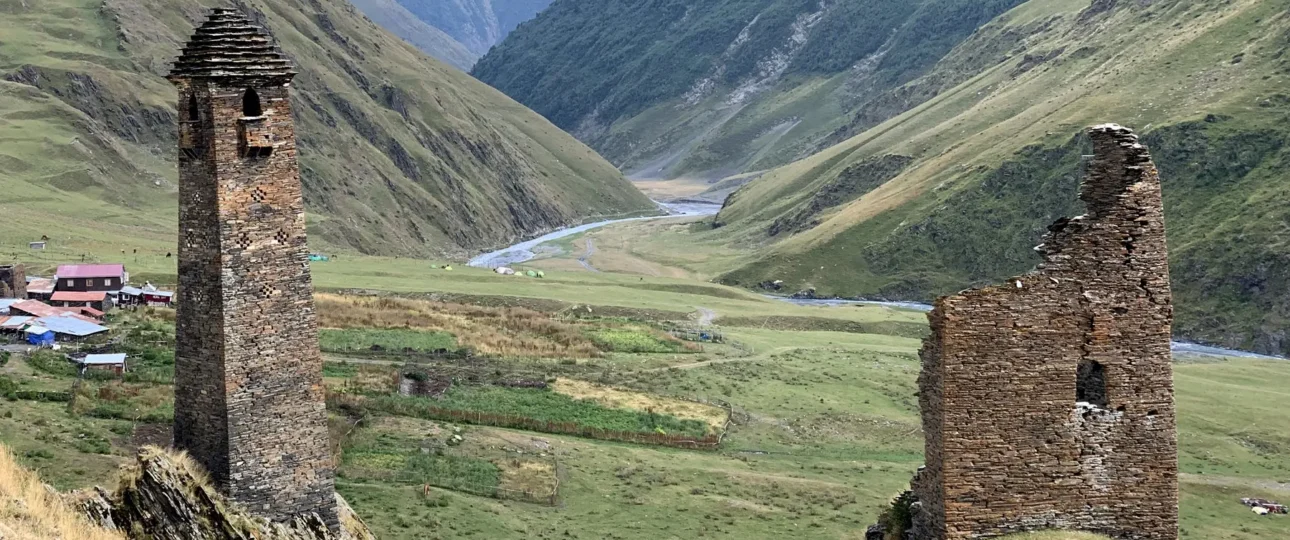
166	496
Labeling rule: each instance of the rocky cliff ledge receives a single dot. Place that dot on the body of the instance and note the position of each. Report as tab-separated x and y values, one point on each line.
166	496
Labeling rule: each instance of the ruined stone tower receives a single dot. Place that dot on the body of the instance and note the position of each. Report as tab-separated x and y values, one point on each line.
13	281
248	373
1048	401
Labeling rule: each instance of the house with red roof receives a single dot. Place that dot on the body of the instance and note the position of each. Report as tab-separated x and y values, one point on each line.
36	308
39	288
98	300
90	277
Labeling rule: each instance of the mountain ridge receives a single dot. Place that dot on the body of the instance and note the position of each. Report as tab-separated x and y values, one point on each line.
762	82
996	157
400	154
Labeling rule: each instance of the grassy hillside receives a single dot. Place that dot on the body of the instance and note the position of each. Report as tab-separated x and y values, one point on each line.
400	154
432	41
996	159
664	89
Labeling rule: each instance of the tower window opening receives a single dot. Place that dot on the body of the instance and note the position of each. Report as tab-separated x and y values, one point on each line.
251	104
194	114
1090	383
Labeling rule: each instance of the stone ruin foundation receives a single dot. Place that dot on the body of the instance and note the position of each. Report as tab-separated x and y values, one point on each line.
249	397
1048	401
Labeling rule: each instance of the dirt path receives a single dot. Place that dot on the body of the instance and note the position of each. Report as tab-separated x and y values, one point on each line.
587	253
1236	482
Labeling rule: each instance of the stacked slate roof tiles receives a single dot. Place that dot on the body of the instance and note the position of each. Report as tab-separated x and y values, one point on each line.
227	45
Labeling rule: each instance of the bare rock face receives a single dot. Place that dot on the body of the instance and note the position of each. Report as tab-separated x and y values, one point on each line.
168	497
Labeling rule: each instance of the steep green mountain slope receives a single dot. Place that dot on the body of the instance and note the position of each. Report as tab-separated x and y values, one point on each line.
400	154
666	88
478	24
987	164
398	20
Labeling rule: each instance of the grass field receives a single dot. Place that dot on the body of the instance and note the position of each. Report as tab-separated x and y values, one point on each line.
540	405
367	339
825	427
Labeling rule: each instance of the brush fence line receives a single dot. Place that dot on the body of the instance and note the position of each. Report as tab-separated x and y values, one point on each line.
707	442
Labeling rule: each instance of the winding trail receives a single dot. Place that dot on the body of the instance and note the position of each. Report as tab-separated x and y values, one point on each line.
591	250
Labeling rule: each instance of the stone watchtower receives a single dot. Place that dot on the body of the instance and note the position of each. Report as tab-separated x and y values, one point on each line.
248	373
1048	402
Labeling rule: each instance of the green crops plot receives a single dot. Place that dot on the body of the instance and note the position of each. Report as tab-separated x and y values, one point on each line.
389	339
633	341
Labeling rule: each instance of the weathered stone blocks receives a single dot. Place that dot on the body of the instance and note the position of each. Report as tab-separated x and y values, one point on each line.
1048	401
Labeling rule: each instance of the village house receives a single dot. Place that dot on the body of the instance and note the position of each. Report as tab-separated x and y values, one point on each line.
11	326
90	277
104	362
96	300
39	288
68	323
71	327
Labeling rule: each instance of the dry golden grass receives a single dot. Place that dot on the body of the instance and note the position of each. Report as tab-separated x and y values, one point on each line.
31	511
533	477
515	332
714	417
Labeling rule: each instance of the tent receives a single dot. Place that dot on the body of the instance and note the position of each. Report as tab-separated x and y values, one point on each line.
39	336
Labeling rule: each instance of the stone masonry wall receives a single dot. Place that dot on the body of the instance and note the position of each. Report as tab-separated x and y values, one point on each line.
1009	448
249	394
13	281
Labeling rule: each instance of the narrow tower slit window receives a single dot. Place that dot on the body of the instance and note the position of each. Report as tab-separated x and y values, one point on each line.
251	104
1090	383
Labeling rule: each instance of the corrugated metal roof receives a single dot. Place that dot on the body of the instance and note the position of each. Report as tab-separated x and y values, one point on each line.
76	296
90	271
41	309
165	294
102	359
79	296
132	291
40	285
36	308
36	329
5	303
14	323
71	326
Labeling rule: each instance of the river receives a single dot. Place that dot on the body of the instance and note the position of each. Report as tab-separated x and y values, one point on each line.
523	251
1179	347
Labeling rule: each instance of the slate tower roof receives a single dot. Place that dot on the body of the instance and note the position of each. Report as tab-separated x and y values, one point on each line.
228	46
